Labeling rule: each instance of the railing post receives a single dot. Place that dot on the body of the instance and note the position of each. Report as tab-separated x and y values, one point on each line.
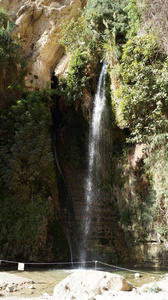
95	264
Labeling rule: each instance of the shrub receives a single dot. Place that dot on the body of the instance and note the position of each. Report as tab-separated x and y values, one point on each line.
27	165
72	85
11	63
143	94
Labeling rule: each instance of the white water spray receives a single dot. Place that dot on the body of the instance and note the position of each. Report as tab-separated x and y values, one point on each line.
94	155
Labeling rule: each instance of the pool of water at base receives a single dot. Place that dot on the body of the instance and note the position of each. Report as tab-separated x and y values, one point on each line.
46	279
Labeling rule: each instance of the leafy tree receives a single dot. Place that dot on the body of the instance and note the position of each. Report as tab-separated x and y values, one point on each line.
143	94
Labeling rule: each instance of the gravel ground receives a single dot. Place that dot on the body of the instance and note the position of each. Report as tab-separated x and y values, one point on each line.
23	283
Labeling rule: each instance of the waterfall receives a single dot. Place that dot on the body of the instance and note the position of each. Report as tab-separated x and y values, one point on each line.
91	190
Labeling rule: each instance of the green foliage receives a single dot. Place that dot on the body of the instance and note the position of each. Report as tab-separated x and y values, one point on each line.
81	33
73	83
73	33
20	223
113	13
142	191
92	37
157	169
27	165
143	95
11	63
137	210
89	30
109	50
134	17
4	18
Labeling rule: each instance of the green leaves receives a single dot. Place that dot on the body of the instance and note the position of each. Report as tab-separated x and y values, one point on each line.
72	85
72	33
89	30
134	13
26	146
92	37
5	18
156	164
11	63
112	12
144	92
21	223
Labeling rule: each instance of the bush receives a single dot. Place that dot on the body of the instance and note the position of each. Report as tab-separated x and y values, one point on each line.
113	12
157	169
89	30
72	85
11	63
20	222
27	165
143	94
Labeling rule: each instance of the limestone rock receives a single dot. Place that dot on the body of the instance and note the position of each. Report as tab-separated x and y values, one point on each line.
137	275
150	288
37	27
87	284
10	288
31	287
63	65
3	285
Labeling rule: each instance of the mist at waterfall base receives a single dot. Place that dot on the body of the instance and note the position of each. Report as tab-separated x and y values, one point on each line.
94	161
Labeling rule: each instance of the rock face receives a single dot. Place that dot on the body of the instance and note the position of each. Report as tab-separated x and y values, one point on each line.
37	26
87	284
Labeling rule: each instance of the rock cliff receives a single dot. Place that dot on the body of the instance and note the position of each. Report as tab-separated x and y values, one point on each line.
37	26
125	228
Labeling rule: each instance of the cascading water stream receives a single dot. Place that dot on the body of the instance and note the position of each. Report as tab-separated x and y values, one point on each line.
91	191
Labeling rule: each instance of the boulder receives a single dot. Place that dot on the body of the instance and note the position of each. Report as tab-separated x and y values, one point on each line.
88	284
